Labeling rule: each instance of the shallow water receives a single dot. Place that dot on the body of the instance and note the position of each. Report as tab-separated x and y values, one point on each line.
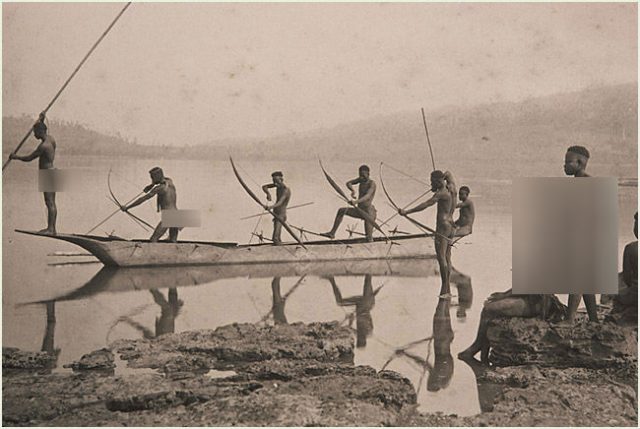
403	327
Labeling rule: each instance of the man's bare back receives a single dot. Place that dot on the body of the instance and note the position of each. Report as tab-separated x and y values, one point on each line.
47	151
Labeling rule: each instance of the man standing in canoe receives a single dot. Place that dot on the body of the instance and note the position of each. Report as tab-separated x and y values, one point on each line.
444	195
45	152
165	190
575	164
283	195
366	192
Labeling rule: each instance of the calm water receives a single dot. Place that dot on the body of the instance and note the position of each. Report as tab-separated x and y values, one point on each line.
390	313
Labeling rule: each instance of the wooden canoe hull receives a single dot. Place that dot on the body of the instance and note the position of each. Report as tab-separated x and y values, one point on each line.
137	253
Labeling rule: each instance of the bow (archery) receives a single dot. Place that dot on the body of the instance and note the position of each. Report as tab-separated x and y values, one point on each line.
123	206
366	216
257	200
410	219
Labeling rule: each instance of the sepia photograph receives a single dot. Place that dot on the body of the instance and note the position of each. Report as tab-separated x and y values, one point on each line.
320	214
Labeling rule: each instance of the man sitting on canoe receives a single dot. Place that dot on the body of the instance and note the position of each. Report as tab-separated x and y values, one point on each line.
45	152
165	190
283	195
464	224
366	192
444	195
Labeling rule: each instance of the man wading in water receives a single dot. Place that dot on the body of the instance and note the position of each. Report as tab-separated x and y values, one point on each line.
575	164
165	190
45	152
445	194
283	195
366	192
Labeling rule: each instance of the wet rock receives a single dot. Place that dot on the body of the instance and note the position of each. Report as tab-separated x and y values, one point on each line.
16	359
519	341
239	344
562	397
286	375
99	360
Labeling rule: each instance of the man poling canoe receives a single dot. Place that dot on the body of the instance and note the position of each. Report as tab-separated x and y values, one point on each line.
361	206
266	207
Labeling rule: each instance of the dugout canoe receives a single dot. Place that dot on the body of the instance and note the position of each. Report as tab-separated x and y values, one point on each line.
118	252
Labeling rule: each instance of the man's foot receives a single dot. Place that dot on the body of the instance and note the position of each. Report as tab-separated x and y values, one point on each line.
468	353
47	231
329	234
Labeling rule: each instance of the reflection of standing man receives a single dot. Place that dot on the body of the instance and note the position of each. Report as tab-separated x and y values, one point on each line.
48	343
277	307
169	310
363	304
440	374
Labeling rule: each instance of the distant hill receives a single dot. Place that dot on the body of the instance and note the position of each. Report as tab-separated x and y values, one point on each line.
537	130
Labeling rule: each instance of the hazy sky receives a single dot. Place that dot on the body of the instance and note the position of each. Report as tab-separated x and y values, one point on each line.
189	73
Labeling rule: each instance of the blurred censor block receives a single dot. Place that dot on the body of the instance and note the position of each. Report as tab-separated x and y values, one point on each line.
58	180
565	235
181	218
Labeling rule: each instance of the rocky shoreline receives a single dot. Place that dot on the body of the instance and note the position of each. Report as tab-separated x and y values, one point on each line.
300	375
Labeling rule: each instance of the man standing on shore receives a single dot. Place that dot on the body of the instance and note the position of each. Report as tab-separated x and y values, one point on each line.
45	152
575	164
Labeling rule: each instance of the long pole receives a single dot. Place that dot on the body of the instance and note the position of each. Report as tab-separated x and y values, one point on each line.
426	130
95	45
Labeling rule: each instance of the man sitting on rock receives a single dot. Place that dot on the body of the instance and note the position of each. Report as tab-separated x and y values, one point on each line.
625	303
506	304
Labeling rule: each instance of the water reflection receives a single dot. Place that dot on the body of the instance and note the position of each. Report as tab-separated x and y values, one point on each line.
48	341
409	287
363	305
166	322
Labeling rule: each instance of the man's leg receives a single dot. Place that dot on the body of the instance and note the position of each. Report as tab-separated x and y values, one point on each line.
508	307
574	301
441	255
173	234
277	232
52	212
157	233
348	211
592	307
368	226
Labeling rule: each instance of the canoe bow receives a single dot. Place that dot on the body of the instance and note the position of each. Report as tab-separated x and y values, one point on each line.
257	200
339	190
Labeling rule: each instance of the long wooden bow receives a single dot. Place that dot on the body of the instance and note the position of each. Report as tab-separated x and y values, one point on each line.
340	192
140	221
410	219
257	200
